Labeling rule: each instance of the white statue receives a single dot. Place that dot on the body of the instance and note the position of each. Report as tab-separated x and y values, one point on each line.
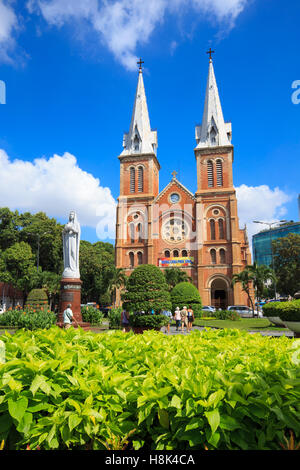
71	241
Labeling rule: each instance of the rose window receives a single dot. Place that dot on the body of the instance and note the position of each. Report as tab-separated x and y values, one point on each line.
175	230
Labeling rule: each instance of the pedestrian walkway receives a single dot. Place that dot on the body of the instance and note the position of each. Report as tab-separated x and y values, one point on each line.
273	333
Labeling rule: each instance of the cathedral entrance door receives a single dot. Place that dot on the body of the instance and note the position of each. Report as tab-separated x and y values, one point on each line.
219	294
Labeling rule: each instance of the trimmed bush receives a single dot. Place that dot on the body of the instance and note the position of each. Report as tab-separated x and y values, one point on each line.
37	298
185	294
148	321
146	289
289	311
270	309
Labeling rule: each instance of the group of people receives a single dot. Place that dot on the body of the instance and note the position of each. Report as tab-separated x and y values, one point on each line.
183	318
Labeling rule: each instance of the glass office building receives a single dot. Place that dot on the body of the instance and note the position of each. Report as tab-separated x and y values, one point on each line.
262	241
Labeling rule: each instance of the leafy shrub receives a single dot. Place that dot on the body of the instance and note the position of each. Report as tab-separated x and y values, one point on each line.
289	311
270	309
148	321
92	315
30	319
37	298
226	315
76	390
114	317
185	294
146	289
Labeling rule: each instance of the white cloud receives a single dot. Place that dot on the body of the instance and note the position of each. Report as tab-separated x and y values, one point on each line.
56	186
260	203
122	25
8	24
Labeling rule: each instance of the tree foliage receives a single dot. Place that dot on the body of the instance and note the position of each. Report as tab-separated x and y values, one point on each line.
146	289
186	294
175	276
31	256
286	252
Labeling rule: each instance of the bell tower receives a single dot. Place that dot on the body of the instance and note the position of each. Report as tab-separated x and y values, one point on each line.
139	185
223	248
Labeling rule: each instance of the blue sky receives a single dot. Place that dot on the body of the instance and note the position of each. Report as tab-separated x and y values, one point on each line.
70	73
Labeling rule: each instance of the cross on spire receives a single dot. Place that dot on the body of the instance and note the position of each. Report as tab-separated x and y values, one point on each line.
174	174
140	62
210	52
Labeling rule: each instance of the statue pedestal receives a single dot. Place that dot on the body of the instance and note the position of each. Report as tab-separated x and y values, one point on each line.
70	293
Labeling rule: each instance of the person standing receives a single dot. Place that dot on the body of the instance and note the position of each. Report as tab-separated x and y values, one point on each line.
168	314
190	318
68	317
177	317
125	321
183	314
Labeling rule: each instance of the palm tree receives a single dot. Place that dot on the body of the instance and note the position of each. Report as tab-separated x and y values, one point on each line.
261	274
117	280
175	276
245	277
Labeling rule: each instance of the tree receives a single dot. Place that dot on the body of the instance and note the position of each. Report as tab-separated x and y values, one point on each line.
260	275
245	278
286	252
146	289
19	264
50	282
117	280
175	276
186	294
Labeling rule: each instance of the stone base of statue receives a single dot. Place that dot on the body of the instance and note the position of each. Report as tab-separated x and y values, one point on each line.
70	293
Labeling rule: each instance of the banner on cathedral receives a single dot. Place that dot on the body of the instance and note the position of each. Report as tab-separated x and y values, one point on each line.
175	262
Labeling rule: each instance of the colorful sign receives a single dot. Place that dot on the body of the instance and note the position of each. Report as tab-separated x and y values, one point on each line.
175	262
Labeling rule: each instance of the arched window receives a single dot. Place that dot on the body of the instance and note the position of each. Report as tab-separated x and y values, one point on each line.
184	253
140	234
131	233
131	259
176	253
219	166
221	229
213	256
167	254
212	229
140	257
222	256
132	180
210	174
140	179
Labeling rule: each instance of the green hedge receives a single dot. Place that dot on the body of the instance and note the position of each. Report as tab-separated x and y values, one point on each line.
149	321
286	311
270	309
209	390
114	317
28	319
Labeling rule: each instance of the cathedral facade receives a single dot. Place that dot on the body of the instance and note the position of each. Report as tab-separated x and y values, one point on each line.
173	227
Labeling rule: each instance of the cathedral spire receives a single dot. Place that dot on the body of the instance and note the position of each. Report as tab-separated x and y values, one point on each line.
213	132
140	139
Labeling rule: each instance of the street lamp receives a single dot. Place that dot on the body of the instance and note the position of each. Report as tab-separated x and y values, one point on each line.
270	224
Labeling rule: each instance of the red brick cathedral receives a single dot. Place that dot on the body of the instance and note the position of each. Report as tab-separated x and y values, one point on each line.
174	227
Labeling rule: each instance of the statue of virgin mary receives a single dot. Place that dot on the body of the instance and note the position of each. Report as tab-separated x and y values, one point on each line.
71	241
